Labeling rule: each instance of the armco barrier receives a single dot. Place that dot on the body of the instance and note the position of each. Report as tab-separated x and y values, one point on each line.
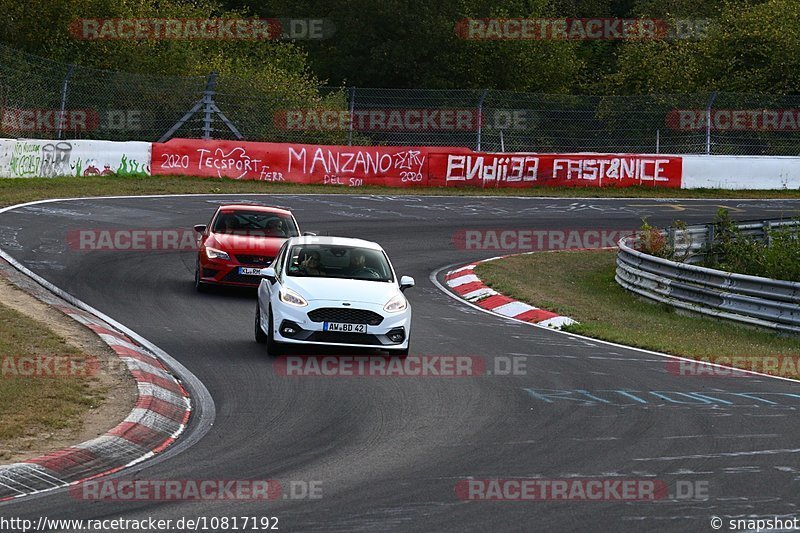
26	158
752	300
692	243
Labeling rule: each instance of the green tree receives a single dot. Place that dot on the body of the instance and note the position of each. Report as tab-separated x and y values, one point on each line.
751	47
42	27
402	43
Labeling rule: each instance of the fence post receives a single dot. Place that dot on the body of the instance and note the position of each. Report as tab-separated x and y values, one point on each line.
208	104
209	107
352	116
710	238
63	108
766	227
708	122
658	141
480	118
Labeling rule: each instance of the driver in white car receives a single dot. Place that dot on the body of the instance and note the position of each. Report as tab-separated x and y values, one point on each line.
358	267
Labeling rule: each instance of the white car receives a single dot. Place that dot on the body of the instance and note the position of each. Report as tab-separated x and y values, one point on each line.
333	291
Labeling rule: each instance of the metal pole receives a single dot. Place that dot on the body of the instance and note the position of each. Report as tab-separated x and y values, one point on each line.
209	107
208	104
480	118
712	234
352	116
64	99
658	141
502	143
766	227
708	122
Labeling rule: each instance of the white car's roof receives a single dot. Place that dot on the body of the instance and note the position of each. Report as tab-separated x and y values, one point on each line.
335	241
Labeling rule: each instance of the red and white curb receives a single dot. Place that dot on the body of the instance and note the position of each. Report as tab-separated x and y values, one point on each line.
160	415
467	285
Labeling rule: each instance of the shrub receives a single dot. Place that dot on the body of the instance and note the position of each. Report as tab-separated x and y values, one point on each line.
652	241
777	258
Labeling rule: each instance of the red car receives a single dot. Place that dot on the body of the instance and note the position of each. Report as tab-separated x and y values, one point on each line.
239	241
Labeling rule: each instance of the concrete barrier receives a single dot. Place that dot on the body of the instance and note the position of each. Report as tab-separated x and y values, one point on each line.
28	158
392	166
741	172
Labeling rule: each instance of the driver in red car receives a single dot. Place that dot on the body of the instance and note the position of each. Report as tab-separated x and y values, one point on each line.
275	228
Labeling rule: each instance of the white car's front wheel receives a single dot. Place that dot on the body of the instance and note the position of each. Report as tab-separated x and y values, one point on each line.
273	347
261	337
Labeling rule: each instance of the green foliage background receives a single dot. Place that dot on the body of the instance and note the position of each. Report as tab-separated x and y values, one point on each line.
752	45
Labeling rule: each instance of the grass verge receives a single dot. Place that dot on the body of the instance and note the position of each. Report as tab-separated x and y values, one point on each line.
581	285
33	401
14	191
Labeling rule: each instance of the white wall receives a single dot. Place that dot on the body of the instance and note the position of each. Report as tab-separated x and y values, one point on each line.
26	158
740	172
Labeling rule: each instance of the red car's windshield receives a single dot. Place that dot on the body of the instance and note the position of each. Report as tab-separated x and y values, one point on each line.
255	223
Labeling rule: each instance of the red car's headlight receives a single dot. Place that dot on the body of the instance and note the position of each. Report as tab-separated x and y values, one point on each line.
213	253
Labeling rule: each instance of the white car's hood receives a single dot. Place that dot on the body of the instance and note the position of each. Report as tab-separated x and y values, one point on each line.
347	290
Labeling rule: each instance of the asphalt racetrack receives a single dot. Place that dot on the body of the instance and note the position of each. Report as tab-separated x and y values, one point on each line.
389	452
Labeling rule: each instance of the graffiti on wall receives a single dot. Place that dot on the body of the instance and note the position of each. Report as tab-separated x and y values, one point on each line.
582	170
25	160
34	158
352	166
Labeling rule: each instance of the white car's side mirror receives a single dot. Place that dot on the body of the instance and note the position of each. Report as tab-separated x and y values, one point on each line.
406	282
268	273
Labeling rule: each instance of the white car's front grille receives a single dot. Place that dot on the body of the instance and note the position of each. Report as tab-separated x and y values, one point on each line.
346	316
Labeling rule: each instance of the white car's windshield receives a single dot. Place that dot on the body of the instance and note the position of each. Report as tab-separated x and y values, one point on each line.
321	260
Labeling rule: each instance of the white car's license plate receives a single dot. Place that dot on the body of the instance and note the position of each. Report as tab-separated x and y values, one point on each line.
347	328
249	271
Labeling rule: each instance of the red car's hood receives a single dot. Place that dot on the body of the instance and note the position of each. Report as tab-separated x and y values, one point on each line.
246	244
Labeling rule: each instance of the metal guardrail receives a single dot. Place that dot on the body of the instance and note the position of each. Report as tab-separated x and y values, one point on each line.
693	242
751	300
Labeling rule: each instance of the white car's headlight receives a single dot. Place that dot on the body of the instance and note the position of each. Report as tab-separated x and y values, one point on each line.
396	304
288	296
213	253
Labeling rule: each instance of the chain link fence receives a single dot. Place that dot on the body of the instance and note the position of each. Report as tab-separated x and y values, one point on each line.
45	99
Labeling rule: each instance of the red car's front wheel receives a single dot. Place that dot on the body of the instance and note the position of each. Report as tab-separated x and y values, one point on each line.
198	285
